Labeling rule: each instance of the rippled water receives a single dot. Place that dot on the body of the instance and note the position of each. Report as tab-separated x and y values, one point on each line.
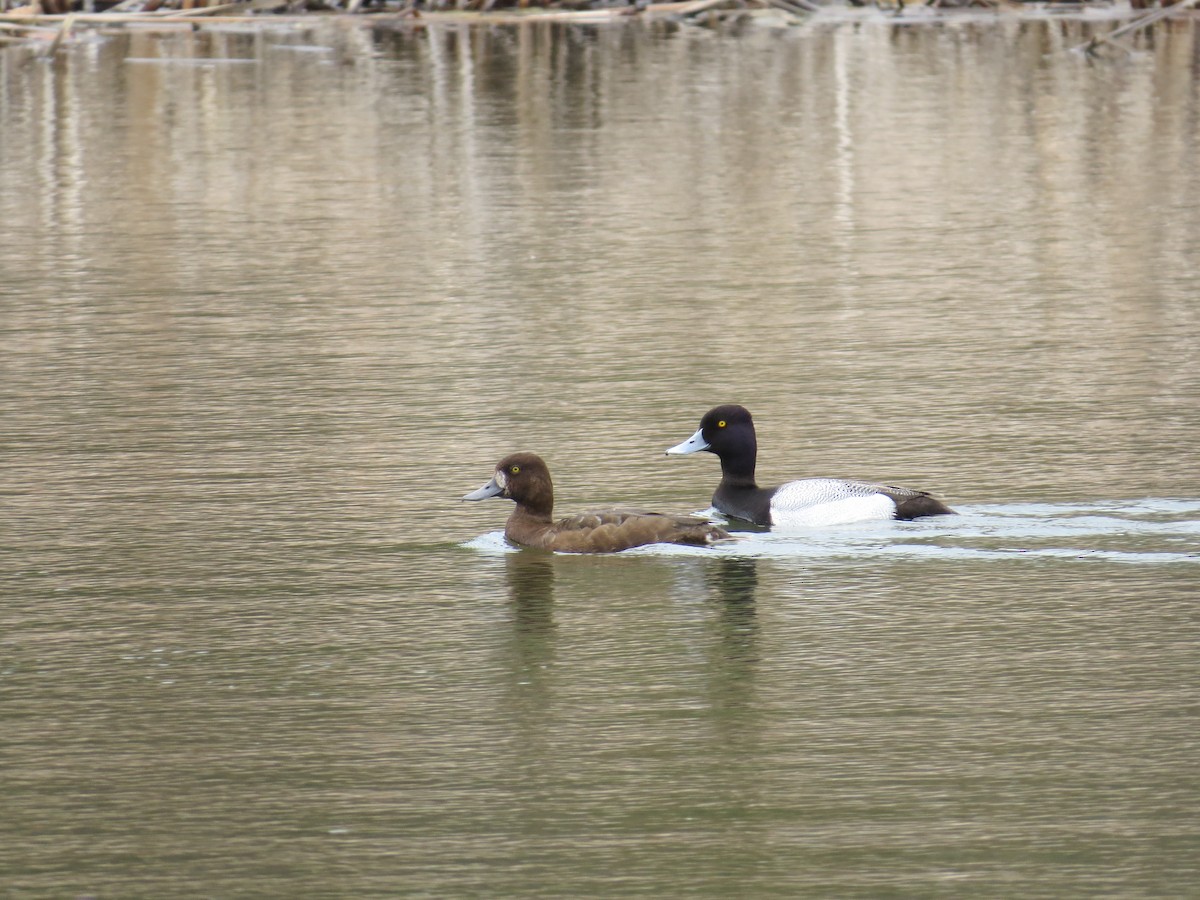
272	301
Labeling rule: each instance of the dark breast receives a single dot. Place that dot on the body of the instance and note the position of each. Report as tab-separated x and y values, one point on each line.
747	504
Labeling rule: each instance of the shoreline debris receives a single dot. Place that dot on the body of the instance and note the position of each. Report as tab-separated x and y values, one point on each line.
58	22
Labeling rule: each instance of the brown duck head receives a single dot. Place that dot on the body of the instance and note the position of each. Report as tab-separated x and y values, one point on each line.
523	478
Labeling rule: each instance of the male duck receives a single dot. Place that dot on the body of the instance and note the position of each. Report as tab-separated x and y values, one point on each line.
524	477
728	431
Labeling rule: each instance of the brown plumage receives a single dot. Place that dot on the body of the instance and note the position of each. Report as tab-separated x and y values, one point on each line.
525	479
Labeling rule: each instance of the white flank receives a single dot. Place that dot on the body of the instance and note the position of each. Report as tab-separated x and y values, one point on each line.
827	501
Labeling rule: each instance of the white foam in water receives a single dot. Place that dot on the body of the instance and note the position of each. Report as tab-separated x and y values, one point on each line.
492	542
1152	530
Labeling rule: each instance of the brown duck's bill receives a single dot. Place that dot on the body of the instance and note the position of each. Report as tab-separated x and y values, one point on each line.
491	489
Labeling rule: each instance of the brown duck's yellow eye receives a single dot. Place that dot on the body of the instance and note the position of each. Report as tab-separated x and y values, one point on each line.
514	469
721	424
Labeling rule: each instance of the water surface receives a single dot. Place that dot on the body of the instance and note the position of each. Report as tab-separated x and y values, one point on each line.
273	300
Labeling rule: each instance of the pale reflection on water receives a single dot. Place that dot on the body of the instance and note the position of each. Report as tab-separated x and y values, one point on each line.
263	322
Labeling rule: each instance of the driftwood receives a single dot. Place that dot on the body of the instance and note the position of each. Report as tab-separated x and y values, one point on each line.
489	11
796	7
219	14
28	23
1113	37
63	30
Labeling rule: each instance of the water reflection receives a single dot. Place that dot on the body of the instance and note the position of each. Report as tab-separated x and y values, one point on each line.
733	636
733	585
529	575
734	580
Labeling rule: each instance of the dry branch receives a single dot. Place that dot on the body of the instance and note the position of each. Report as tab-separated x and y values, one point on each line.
1137	24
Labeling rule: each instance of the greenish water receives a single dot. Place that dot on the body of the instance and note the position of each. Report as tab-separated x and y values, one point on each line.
262	323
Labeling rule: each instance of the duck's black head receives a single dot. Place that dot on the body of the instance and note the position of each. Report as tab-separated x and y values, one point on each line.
727	431
522	477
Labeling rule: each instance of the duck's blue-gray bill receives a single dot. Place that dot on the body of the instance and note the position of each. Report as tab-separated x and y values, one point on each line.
491	489
693	444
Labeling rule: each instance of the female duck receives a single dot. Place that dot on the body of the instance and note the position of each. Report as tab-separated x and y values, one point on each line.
524	477
728	431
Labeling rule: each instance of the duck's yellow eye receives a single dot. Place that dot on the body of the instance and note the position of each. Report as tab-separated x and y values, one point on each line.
721	424
514	469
